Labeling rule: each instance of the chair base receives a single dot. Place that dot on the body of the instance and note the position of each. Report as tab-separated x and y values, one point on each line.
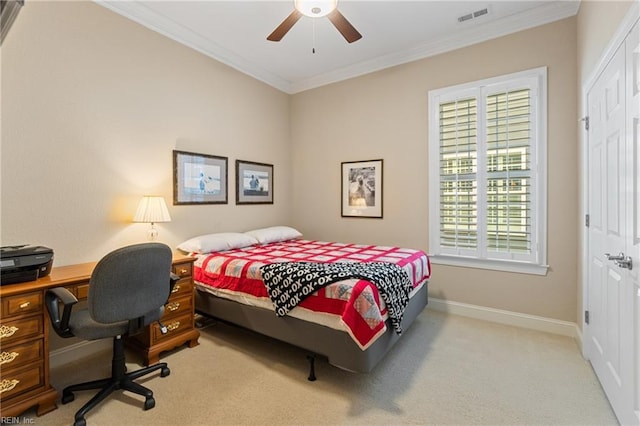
119	379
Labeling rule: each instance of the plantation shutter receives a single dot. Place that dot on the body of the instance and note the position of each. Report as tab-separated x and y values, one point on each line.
508	183
487	180
458	174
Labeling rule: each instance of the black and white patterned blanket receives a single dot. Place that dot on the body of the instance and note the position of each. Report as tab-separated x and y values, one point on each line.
289	283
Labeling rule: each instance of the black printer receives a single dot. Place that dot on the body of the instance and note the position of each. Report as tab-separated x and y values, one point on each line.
24	263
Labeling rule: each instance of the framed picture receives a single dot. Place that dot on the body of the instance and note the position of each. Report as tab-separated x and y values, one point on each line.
254	183
199	178
362	189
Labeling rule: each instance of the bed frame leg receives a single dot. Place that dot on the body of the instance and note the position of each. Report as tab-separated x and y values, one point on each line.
312	368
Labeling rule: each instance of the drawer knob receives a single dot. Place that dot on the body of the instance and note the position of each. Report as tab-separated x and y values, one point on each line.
6	385
7	357
6	331
184	271
175	289
173	326
173	306
25	305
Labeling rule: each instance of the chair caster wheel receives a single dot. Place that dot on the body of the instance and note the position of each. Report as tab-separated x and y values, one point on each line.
67	397
165	372
149	403
80	422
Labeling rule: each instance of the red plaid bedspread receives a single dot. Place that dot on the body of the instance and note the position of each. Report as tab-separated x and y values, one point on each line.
356	302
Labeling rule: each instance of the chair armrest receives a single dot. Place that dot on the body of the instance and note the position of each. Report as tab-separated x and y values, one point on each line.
52	299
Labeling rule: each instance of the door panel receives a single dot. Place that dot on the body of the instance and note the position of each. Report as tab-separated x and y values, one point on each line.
613	287
614	180
610	344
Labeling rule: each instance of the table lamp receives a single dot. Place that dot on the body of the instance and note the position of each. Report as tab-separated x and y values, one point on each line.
152	209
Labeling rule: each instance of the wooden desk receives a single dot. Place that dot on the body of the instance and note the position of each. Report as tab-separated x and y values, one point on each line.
24	332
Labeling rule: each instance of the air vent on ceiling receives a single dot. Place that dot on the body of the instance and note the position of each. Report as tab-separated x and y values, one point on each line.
473	15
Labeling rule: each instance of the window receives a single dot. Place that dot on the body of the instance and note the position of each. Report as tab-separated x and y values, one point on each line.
487	182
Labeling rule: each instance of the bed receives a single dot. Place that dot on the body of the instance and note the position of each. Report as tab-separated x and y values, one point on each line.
352	321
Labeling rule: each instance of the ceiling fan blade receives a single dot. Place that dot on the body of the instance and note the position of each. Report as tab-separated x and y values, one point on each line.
346	29
285	26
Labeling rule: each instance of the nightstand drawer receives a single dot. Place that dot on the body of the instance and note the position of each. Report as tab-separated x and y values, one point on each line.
175	326
183	287
177	306
11	331
20	354
183	269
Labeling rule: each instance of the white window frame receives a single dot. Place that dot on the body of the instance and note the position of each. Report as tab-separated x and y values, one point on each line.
536	262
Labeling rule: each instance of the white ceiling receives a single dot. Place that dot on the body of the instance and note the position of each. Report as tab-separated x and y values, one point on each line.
394	32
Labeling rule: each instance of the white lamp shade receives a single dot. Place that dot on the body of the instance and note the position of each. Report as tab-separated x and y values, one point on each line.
152	209
315	8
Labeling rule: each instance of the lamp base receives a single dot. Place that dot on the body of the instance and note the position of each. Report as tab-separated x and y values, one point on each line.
153	233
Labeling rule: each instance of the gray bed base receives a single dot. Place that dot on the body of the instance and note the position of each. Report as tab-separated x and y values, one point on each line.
337	346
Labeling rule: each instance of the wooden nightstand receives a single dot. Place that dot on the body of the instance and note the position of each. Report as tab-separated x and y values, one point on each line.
178	318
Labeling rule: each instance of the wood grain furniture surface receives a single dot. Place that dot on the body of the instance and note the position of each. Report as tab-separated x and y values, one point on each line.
24	332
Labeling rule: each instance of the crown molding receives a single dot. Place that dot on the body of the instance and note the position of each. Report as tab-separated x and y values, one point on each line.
553	11
545	14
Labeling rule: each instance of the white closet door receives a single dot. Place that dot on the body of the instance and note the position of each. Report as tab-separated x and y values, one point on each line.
612	335
633	204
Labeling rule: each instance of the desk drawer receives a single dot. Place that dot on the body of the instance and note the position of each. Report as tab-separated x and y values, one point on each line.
12	331
80	291
20	354
23	380
21	304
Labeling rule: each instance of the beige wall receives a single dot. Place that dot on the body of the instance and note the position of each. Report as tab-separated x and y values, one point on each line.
93	105
384	115
597	24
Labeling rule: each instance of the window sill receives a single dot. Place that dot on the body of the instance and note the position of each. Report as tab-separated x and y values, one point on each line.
494	265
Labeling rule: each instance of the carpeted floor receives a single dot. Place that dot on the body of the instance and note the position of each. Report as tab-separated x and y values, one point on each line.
446	370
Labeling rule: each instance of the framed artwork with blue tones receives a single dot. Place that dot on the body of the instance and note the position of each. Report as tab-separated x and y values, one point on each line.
254	183
199	178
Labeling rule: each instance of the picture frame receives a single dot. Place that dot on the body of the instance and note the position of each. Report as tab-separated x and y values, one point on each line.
362	189
254	182
199	178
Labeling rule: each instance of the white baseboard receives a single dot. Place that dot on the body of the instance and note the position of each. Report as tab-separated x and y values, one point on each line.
79	350
549	325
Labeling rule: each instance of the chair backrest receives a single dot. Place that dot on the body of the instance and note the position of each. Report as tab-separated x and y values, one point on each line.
130	282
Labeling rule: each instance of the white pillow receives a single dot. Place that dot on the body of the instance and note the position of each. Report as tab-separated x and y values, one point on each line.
274	234
217	242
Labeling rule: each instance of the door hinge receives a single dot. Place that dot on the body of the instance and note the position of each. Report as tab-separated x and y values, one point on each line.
586	122
586	220
586	317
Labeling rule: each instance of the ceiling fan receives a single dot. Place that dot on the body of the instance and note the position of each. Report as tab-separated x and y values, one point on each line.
317	9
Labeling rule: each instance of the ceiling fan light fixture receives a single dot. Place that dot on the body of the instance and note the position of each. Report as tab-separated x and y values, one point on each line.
315	8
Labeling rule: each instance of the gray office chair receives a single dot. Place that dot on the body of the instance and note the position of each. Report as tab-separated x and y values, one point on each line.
127	291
